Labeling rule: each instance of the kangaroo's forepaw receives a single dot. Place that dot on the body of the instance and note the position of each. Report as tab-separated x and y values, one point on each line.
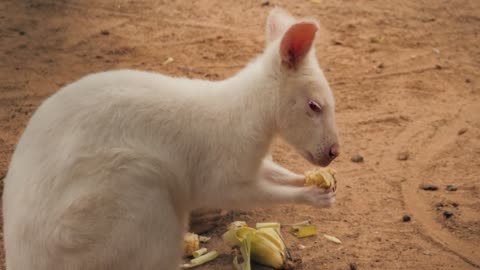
319	197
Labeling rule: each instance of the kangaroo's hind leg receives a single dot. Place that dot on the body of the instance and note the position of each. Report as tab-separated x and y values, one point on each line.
122	217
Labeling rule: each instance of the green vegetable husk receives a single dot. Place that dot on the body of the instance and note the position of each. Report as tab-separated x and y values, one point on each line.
264	246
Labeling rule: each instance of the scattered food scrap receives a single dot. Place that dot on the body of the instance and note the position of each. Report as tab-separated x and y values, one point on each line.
305	231
201	260
191	248
204	239
191	243
199	252
332	239
274	225
168	61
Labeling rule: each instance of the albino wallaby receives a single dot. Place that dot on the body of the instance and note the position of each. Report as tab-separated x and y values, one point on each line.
109	168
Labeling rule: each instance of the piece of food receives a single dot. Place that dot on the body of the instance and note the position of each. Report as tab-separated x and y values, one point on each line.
237	224
245	249
235	235
301	247
201	260
304	231
191	243
268	249
200	252
168	61
321	177
274	225
204	239
264	246
299	224
332	238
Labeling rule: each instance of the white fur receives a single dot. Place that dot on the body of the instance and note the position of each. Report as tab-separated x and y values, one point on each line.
110	166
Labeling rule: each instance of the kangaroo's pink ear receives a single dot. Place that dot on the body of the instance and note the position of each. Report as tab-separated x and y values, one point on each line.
296	43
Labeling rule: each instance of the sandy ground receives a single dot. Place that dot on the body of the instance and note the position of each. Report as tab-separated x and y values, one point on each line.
406	79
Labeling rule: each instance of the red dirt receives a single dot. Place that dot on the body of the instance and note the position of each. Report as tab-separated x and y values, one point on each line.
405	76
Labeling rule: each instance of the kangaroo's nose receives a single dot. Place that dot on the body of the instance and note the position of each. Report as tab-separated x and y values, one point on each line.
334	151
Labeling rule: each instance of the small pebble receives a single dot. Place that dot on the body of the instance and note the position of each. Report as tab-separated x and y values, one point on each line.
265	3
437	66
301	247
403	155
467	80
357	158
428	187
451	188
454	204
380	66
353	266
428	253
337	42
425	20
406	218
462	131
21	33
105	32
447	214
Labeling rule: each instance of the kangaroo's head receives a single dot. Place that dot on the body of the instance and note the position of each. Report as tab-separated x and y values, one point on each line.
305	109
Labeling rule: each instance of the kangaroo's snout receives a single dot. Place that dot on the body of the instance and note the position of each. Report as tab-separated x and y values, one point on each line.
329	155
334	151
323	157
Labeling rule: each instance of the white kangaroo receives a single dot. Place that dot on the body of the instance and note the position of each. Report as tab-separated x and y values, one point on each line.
109	168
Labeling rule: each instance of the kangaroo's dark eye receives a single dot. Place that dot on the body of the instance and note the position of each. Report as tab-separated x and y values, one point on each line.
315	107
